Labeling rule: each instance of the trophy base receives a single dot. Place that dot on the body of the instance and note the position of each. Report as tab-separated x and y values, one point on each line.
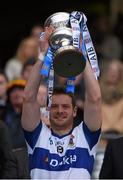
68	62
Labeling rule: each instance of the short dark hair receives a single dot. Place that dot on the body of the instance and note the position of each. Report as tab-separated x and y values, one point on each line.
62	90
29	62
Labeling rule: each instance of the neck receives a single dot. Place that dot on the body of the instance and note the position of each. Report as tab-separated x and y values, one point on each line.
18	109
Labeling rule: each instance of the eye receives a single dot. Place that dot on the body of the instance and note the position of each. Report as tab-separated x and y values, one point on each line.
65	106
54	106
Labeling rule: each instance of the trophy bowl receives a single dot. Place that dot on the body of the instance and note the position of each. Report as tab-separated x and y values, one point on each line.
68	60
59	19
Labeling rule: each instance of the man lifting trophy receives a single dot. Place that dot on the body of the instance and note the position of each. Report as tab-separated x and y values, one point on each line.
63	151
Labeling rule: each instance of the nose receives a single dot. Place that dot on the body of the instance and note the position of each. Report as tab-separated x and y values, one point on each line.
60	109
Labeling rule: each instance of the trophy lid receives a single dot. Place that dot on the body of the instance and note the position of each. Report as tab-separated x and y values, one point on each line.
58	19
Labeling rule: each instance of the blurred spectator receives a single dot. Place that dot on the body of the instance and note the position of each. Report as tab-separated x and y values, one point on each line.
112	167
99	27
13	114
22	162
28	48
111	83
106	43
111	47
3	93
8	166
12	119
3	86
13	162
27	67
36	30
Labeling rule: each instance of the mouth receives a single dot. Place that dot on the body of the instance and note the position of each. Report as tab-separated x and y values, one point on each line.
60	118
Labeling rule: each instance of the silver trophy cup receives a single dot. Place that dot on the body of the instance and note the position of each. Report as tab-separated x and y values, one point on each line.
68	60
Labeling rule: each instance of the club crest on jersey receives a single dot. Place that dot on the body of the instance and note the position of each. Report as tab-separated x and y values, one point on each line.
71	142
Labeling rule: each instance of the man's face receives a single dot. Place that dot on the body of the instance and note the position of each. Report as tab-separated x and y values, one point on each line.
62	112
114	73
3	86
16	96
26	72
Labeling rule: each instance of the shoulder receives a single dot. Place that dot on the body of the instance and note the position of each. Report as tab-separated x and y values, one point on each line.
115	144
13	61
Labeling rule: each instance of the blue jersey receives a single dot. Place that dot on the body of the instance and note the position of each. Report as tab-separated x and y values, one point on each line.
61	157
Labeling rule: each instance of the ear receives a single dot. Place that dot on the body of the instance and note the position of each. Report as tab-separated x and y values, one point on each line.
75	111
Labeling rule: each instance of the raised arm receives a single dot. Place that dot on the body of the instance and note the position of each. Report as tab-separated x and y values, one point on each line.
92	105
31	110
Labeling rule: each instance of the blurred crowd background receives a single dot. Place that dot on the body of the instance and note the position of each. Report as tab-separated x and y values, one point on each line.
20	27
